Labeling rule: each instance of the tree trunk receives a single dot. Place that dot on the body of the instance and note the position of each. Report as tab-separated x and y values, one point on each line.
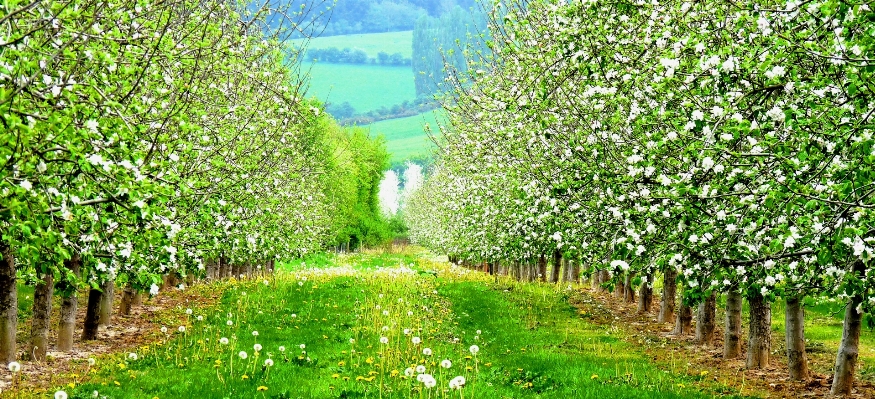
92	315
42	309
127	300
67	323
563	272
669	292
705	320
8	306
542	268
645	296
223	268
212	269
849	348
732	335
557	264
574	274
106	303
759	341
629	292
794	321
620	287
604	277
596	279
683	320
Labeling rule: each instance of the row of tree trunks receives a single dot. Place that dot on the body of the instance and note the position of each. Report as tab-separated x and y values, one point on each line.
99	310
759	337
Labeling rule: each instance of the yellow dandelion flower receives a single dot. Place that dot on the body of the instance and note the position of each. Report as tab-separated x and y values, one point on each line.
341	363
369	379
72	385
346	378
245	377
469	368
118	384
369	360
394	373
359	378
703	373
468	357
335	376
372	372
488	364
261	388
594	377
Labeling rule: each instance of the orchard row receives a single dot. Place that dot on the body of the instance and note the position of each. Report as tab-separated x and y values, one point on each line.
724	146
142	139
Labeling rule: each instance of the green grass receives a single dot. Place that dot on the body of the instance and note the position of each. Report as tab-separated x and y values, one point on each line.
406	136
365	87
532	342
371	43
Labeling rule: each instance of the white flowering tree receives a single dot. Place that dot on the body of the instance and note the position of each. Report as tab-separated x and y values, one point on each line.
150	139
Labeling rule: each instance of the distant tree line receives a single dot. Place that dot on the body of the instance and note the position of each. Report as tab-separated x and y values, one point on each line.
373	16
446	40
346	114
356	56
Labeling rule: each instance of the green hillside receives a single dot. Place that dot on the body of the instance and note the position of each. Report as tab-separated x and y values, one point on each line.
371	43
365	87
406	136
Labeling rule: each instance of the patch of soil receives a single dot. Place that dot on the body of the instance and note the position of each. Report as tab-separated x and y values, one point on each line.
680	354
125	334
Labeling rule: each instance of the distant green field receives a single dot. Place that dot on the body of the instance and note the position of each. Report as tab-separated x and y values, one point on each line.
365	87
371	43
406	136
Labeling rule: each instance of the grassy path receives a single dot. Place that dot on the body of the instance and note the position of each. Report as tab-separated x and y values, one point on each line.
383	326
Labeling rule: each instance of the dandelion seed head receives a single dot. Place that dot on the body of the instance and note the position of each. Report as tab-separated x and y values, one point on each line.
14	367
